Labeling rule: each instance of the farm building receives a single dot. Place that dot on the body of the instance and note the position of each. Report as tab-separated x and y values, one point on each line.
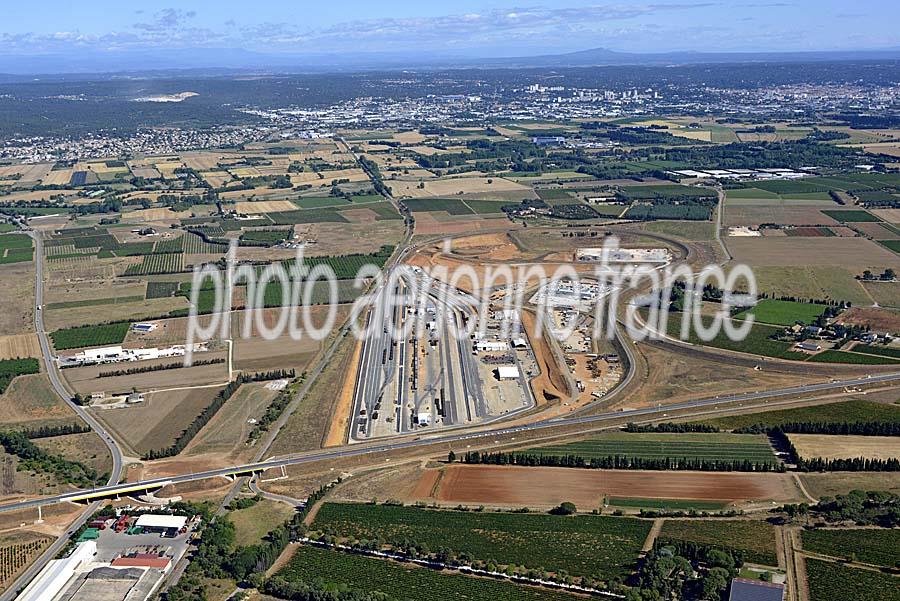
508	372
811	347
165	524
743	589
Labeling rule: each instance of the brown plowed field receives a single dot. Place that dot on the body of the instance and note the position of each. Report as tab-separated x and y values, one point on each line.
546	486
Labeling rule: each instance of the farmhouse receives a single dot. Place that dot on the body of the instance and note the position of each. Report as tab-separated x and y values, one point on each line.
743	589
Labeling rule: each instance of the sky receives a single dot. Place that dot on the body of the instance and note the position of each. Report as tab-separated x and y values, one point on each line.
484	28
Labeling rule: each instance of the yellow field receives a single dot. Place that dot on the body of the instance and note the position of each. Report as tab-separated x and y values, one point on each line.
216	179
57	178
305	177
19	346
810	446
456	186
265	206
354	175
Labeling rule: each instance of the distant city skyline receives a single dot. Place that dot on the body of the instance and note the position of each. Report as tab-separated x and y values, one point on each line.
464	28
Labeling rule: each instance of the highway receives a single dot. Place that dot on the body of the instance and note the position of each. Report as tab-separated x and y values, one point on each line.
360	450
53	374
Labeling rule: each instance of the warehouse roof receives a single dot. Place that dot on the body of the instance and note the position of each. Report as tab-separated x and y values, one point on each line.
508	372
152	520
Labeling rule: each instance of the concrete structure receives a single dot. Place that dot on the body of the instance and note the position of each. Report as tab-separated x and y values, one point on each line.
658	256
743	589
161	523
57	573
508	372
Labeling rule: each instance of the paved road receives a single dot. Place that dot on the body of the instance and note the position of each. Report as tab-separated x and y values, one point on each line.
58	386
52	370
359	450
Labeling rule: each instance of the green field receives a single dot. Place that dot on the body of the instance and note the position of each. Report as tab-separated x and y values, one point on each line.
451	206
783	313
880	547
95	302
652	445
831	356
483	207
893	245
403	581
6	228
157	264
318	203
852	216
877	350
792	187
16	255
14	241
755	540
86	336
834	582
757	341
665	504
596	546
10	368
832	413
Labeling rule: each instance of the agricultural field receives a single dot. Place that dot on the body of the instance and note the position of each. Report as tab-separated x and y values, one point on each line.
757	341
12	368
253	523
15	248
852	216
17	551
754	540
874	546
783	313
89	336
814	446
810	281
711	447
830	581
848	253
832	413
596	546
403	581
157	264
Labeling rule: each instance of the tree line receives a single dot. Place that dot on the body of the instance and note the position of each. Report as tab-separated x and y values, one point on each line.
161	367
622	462
670	427
835	428
33	457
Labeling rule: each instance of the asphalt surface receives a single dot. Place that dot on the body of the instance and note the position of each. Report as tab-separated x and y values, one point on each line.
359	450
58	386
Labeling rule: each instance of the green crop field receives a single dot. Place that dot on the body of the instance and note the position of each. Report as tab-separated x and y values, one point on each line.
755	540
757	341
597	546
161	289
852	216
783	313
652	445
877	350
482	207
94	302
880	547
10	368
156	264
14	241
831	356
86	336
791	186
16	255
322	215
347	266
453	207
403	581
832	413
6	228
833	582
665	504
893	245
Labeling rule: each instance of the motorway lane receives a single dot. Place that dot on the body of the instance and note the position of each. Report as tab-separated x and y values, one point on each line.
358	450
53	372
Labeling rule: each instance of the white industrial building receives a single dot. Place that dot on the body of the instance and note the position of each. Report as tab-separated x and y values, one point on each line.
57	573
508	372
119	354
161	522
